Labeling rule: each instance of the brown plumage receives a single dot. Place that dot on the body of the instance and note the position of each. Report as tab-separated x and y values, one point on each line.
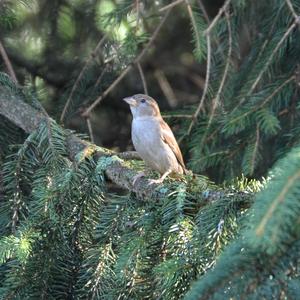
152	137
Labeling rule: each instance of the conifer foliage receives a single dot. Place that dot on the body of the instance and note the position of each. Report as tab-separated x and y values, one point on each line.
66	234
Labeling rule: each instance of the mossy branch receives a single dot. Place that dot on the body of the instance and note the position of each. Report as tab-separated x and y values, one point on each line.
118	171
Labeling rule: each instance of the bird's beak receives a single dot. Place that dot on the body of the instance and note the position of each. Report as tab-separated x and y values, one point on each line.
131	101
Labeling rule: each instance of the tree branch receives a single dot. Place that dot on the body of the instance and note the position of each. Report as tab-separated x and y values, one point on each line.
7	63
26	117
29	119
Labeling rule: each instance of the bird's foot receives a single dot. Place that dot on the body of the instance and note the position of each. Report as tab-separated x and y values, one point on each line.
155	181
137	177
161	179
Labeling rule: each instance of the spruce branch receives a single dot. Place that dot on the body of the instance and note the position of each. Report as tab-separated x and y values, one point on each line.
26	117
193	21
269	98
216	100
129	67
205	14
279	199
217	17
266	65
291	7
208	63
270	33
17	199
208	66
202	7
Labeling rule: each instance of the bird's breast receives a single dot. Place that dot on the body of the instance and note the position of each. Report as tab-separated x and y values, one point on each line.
145	134
147	140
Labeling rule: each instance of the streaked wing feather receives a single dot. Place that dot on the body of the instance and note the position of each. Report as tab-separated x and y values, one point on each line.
169	139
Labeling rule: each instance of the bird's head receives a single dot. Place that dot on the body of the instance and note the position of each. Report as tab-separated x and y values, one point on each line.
142	106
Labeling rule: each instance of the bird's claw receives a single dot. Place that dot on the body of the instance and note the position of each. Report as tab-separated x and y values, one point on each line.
155	181
161	179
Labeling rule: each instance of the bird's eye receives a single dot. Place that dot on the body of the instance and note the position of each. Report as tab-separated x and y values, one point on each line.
143	100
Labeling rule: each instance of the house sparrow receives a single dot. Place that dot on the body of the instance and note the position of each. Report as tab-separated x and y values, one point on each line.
153	139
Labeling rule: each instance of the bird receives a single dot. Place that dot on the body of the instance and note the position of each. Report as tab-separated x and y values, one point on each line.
153	139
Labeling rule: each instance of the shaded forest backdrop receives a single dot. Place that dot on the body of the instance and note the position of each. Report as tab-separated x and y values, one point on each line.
226	75
49	43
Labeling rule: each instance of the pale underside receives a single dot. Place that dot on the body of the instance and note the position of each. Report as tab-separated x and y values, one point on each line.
156	144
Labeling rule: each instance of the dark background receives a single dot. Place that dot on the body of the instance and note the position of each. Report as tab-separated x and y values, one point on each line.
48	43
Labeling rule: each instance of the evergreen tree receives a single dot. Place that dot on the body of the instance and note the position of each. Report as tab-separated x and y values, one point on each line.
66	233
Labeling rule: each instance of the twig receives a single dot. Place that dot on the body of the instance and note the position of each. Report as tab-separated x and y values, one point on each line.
205	90
217	17
171	5
202	7
194	23
90	128
271	58
166	87
196	79
225	74
142	78
137	8
291	7
255	151
177	116
276	91
205	86
100	76
89	60
228	59
265	67
270	33
208	65
128	68
8	64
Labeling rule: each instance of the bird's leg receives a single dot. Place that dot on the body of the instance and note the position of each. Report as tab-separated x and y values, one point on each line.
161	179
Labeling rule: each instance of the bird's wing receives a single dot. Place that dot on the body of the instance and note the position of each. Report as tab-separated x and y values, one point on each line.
169	139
